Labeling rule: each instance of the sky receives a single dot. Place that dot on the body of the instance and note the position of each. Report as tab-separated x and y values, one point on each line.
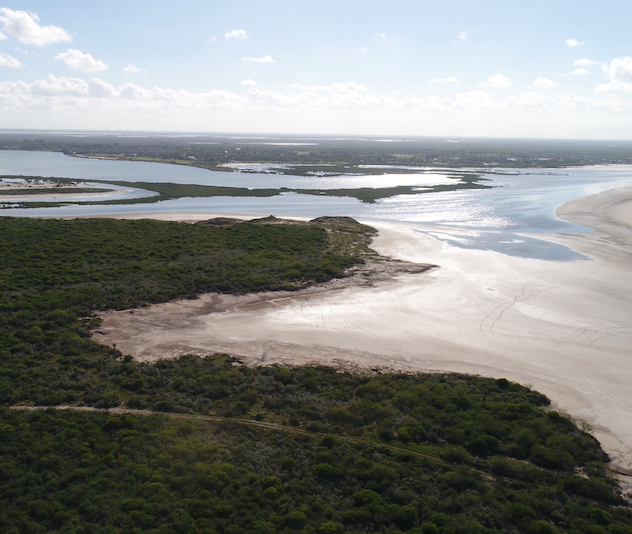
540	69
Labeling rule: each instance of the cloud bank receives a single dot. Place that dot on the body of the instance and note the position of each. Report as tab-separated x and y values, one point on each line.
71	102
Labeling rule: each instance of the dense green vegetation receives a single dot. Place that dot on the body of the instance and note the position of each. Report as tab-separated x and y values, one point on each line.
54	273
98	473
342	452
471	455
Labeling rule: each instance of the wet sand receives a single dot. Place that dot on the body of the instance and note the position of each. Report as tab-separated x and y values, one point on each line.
563	328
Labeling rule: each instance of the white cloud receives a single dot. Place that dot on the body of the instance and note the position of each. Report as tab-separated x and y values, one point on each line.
3	36
77	60
448	79
236	34
585	62
75	87
53	86
348	107
247	82
572	43
264	59
129	91
132	69
100	89
576	72
621	69
24	27
9	61
544	83
381	37
497	81
620	74
339	108
463	36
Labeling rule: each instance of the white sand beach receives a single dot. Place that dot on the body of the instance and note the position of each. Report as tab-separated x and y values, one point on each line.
564	328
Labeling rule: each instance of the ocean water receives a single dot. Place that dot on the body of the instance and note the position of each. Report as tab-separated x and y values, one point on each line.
519	201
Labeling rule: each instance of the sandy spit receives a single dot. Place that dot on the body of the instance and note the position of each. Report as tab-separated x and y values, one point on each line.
564	328
60	191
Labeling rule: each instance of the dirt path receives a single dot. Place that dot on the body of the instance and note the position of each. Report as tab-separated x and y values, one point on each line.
219	419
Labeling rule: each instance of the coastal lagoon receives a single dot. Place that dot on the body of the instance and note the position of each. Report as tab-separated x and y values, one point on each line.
518	205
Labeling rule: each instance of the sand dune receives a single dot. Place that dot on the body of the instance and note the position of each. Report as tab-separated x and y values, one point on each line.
564	328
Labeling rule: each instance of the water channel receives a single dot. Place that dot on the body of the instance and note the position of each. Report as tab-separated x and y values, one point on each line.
519	201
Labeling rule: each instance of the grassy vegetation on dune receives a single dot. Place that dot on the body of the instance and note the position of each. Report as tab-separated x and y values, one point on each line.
352	453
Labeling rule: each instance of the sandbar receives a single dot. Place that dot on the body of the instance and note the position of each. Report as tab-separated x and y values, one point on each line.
564	328
61	191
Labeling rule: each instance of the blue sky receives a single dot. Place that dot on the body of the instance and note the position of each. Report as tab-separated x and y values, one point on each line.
560	69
